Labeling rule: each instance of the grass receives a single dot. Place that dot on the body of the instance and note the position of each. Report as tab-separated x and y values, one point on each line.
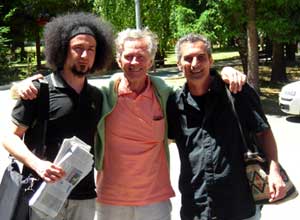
225	55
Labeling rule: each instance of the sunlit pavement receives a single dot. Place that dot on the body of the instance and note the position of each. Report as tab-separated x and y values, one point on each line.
286	131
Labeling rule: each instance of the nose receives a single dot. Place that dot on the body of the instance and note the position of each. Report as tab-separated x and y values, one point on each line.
194	61
84	53
134	60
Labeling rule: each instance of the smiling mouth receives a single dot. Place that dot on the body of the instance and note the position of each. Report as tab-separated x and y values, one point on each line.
196	71
133	69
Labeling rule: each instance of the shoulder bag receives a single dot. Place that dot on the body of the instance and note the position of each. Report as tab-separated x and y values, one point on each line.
257	170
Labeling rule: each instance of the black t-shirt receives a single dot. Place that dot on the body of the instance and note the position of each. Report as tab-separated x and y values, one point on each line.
212	177
70	114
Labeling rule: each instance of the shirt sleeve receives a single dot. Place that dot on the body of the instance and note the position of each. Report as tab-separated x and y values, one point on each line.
250	110
171	115
24	112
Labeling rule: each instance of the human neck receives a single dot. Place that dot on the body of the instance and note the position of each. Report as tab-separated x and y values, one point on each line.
74	81
137	86
199	88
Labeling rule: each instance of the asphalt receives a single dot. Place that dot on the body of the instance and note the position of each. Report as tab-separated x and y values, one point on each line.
286	130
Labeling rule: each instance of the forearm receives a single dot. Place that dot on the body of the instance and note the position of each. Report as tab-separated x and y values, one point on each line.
48	171
16	147
267	141
276	183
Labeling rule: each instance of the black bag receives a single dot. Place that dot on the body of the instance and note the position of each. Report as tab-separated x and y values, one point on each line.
16	189
257	170
15	193
10	188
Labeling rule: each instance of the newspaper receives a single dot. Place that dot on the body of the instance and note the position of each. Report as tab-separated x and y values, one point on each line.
77	162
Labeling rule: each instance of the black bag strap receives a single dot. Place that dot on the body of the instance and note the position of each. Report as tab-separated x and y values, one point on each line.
231	100
35	136
43	114
249	154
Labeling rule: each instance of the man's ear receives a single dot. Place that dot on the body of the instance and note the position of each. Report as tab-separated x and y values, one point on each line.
119	61
151	63
179	66
211	60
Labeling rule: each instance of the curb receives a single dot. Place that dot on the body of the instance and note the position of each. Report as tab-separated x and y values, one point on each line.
5	87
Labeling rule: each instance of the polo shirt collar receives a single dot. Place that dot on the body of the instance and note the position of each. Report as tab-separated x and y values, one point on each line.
59	82
123	88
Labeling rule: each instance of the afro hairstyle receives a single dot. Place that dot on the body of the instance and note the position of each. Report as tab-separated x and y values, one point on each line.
57	37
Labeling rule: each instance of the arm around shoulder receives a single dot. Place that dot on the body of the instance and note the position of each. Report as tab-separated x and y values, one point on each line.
25	89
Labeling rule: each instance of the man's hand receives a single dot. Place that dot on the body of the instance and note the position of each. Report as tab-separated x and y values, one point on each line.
277	186
49	172
234	78
25	89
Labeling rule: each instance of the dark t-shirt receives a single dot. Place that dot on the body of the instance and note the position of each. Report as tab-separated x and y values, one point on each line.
212	179
70	114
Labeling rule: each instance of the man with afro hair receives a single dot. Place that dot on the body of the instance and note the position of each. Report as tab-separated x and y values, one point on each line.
76	44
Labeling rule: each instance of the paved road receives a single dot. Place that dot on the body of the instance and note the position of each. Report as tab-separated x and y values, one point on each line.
286	131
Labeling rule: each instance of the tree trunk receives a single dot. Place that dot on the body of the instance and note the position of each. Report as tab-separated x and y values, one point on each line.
252	42
278	63
38	49
291	50
23	52
241	44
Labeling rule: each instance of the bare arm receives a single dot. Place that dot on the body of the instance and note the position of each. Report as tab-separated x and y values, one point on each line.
12	142
276	184
234	78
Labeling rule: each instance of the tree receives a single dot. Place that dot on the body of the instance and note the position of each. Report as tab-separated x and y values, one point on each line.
182	21
227	23
252	39
282	30
121	13
4	49
7	72
277	19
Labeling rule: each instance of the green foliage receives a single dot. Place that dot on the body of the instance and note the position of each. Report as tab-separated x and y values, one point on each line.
157	18
7	73
182	21
219	20
4	49
206	25
121	13
3	46
230	18
286	26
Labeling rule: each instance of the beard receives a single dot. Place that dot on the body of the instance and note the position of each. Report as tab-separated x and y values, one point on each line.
81	72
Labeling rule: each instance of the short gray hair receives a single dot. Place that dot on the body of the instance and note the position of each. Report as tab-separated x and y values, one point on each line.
192	38
133	34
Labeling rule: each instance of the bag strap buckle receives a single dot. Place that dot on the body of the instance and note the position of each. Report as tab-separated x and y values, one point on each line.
31	181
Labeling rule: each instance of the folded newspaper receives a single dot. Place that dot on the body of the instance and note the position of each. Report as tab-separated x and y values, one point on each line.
75	159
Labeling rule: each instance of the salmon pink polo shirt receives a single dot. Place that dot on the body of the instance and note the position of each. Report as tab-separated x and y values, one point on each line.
135	170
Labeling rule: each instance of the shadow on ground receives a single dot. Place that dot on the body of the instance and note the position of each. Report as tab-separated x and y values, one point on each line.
270	104
294	119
